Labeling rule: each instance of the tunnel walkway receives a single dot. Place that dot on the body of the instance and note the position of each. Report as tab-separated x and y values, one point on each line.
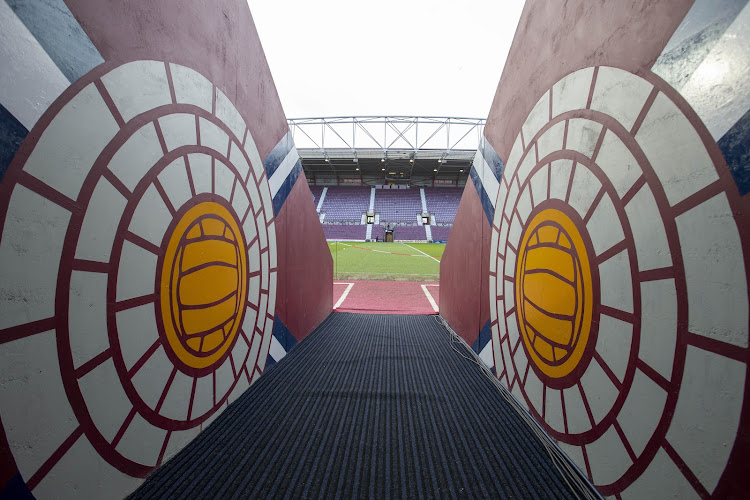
374	406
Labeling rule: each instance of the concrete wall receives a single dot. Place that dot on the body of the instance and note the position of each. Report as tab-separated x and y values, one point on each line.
148	207
620	248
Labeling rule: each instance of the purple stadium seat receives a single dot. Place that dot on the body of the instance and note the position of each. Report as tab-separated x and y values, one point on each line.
316	192
346	203
398	205
409	233
345	232
443	203
440	233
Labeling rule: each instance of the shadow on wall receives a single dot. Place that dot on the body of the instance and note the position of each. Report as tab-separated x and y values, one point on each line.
144	251
618	261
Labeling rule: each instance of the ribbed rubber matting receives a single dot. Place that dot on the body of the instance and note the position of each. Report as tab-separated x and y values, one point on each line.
371	406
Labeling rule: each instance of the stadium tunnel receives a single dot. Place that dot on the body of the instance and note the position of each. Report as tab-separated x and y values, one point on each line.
158	241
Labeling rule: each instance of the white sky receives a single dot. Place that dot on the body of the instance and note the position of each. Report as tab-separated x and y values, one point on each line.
386	57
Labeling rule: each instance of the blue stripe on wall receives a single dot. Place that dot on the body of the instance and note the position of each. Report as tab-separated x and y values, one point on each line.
496	166
735	145
277	155
492	158
485	335
489	210
283	335
58	32
286	187
12	134
285	338
698	33
269	362
16	489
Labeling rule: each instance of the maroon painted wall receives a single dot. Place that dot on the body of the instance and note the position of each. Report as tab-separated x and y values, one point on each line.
223	47
653	169
8	467
464	278
216	38
182	92
555	38
305	288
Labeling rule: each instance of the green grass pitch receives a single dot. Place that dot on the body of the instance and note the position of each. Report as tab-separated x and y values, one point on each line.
386	261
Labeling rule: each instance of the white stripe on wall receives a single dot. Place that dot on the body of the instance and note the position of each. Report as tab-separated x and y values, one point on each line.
29	80
719	90
322	198
487	177
281	173
487	356
276	351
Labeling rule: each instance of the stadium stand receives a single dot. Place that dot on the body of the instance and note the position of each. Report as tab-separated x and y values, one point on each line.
440	233
378	232
443	203
345	231
316	192
346	203
398	205
344	206
409	233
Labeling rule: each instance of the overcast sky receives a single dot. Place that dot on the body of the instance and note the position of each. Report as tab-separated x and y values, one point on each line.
386	57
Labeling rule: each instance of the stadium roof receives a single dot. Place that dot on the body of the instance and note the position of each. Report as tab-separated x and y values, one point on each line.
396	147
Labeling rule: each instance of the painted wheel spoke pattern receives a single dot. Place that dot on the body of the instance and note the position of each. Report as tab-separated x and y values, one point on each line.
592	422
146	245
608	370
602	285
134	302
143	359
164	278
91	266
97	360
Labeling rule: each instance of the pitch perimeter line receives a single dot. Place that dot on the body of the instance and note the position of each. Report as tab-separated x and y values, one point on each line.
429	297
420	251
343	296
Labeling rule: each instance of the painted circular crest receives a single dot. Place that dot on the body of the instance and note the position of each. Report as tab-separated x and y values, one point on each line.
203	284
554	293
612	310
165	278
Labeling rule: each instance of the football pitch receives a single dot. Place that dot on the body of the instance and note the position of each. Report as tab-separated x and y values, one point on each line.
386	261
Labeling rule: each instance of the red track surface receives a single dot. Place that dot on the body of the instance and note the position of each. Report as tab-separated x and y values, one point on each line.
385	297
